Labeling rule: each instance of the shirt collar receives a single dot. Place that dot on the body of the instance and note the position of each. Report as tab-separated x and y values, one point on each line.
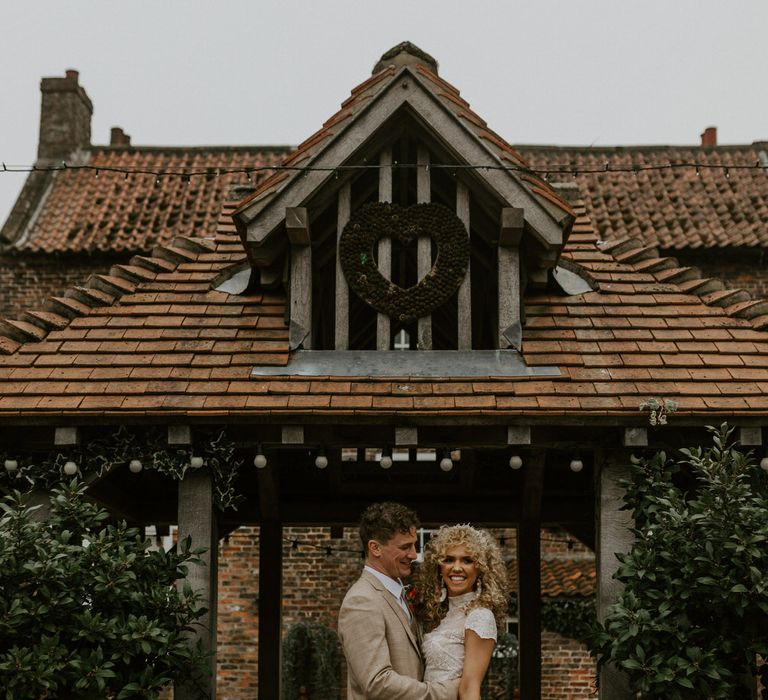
394	586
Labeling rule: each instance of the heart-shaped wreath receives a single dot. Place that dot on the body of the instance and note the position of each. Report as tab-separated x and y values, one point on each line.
377	220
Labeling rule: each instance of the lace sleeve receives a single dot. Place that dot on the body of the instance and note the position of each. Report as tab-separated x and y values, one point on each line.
482	622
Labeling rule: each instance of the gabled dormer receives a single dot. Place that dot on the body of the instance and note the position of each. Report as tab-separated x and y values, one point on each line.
404	223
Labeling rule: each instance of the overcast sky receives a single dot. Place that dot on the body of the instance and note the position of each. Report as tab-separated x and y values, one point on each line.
193	72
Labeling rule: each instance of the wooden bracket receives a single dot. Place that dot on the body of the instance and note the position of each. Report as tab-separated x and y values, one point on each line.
751	436
297	225
406	436
66	436
179	435
519	435
512	225
635	437
293	435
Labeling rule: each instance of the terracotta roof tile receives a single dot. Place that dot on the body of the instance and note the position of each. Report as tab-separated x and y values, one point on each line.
669	208
85	213
162	346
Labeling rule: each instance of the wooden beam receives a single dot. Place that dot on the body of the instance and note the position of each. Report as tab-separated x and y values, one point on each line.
529	577
341	333
424	245
613	536
297	227
270	607
465	290
383	329
434	116
269	491
510	234
197	519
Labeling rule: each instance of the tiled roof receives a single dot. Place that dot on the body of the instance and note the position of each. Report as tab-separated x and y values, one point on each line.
562	577
152	337
109	212
362	95
670	208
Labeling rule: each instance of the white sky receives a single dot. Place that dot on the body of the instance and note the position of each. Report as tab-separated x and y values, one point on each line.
189	72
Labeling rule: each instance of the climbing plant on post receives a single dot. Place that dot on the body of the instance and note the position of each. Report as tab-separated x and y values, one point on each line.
694	610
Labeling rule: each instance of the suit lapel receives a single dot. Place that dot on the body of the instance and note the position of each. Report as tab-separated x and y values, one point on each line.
396	609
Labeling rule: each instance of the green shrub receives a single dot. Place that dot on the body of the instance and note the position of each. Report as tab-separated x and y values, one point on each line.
86	610
694	609
312	660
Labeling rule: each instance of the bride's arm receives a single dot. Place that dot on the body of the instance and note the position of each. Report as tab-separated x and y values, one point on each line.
477	656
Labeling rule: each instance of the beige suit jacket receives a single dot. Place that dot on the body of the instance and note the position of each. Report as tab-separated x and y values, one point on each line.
383	657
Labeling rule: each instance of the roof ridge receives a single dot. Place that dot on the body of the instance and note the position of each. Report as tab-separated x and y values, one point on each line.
100	290
735	302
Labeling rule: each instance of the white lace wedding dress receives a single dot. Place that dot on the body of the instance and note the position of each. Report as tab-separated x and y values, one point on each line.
443	647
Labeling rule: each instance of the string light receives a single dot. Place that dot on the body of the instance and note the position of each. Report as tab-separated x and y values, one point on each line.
336	169
297	544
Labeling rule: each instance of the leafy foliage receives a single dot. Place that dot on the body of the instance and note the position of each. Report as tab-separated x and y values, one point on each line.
86	610
312	660
659	410
694	609
150	447
574	618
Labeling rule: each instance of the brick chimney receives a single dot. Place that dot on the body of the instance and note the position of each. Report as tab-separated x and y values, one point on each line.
709	136
117	137
65	117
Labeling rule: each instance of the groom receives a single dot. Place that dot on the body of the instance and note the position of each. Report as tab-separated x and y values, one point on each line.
376	628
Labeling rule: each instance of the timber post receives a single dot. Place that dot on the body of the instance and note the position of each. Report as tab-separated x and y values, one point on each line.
529	577
197	519
613	536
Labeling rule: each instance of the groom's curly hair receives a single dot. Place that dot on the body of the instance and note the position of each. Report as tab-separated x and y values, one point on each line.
382	521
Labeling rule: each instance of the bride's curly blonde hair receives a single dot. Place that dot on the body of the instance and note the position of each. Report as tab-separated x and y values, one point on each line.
492	574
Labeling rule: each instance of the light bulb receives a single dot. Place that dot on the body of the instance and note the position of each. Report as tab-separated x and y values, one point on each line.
196	462
446	464
11	465
259	461
70	468
515	462
321	461
577	465
386	461
763	464
135	466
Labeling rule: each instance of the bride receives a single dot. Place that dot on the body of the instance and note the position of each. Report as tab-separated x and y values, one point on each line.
463	588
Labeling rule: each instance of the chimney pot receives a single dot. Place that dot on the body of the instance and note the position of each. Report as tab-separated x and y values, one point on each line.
72	74
709	136
117	137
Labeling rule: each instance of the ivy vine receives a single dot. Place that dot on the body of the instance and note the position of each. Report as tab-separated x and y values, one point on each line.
574	617
125	446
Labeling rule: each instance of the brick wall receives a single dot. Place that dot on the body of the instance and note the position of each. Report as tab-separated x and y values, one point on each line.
746	269
567	669
26	282
314	584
